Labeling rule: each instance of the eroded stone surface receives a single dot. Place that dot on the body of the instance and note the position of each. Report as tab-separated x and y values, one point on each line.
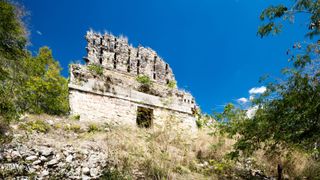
106	88
59	166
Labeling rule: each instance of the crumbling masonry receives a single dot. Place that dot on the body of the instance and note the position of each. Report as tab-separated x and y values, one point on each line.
123	84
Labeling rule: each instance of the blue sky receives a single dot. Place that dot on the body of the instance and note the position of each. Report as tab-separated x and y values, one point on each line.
211	45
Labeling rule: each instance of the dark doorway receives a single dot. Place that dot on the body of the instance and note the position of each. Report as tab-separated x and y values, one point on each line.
144	117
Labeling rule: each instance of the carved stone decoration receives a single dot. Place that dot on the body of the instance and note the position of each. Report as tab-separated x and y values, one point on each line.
106	88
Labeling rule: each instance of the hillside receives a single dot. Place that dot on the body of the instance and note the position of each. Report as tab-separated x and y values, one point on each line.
121	114
53	147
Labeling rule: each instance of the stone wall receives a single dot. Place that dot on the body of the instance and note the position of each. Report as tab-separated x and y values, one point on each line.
115	53
111	108
106	89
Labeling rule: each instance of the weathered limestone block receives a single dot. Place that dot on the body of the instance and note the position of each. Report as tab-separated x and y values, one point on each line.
115	53
113	94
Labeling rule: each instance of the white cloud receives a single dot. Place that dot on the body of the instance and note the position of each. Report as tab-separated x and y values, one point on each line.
251	97
39	32
258	90
242	100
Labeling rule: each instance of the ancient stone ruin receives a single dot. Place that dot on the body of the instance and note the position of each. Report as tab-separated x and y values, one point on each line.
123	84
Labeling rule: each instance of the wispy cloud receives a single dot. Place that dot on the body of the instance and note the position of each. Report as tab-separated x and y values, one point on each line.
257	90
246	102
39	32
242	100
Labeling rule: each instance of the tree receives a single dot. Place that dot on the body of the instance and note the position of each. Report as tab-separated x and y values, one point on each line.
13	39
45	90
288	113
27	83
288	12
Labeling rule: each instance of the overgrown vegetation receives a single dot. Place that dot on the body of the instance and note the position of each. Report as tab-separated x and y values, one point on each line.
113	174
172	84
167	152
143	79
44	90
27	83
35	125
145	83
273	16
282	137
75	117
205	121
13	39
93	127
95	69
287	114
76	128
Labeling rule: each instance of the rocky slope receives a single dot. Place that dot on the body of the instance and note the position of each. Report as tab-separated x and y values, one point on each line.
46	147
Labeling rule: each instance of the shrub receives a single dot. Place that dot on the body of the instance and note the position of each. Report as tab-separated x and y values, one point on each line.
199	123
57	126
155	170
44	90
144	80
172	84
204	120
145	84
312	170
75	117
73	127
37	125
93	128
4	128
95	69
113	174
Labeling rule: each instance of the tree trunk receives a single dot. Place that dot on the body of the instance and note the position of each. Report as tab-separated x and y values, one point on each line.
279	171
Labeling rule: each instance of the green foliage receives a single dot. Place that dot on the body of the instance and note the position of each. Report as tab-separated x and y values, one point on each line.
312	170
204	120
45	90
143	79
13	40
155	170
199	123
145	84
172	84
27	83
12	31
4	127
73	127
113	174
93	128
287	115
275	13
96	69
37	125
75	117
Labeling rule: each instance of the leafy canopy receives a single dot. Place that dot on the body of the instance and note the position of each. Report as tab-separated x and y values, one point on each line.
45	89
287	115
272	15
27	83
13	40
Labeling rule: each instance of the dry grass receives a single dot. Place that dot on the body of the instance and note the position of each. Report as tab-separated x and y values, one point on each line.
296	164
166	152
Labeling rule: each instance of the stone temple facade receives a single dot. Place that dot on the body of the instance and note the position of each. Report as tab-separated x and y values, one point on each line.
124	84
